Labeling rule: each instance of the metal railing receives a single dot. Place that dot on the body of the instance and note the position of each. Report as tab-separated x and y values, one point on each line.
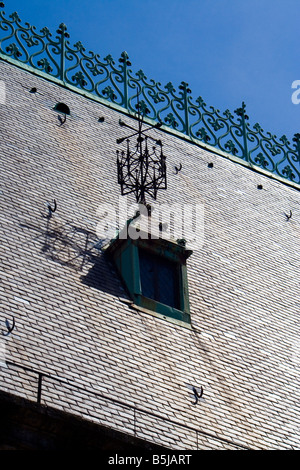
176	109
138	427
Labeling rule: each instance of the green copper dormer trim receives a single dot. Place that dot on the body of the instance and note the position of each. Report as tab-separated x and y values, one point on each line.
116	85
169	258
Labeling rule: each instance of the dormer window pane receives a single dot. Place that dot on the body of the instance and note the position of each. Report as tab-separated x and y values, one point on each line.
159	278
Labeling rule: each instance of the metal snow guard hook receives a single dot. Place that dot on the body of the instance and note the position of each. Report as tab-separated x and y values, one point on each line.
197	394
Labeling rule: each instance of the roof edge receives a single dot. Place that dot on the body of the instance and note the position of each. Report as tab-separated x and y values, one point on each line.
148	120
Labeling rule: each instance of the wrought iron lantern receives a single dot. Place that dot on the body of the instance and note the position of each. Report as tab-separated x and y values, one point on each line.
142	166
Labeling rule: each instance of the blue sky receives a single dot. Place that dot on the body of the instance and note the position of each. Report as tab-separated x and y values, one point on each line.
228	51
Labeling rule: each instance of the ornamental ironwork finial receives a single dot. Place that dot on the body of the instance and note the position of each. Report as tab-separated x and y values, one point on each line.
63	30
141	167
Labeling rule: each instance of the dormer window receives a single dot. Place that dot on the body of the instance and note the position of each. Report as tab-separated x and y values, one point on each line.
155	274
